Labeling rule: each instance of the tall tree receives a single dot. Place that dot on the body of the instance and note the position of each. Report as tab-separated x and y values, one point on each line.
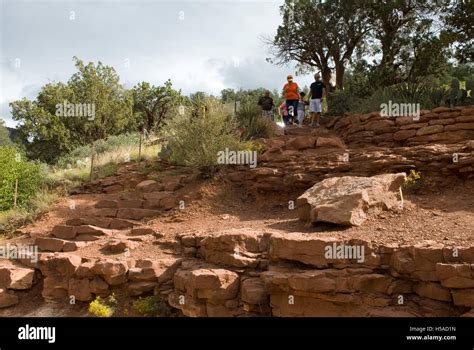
154	104
100	86
460	29
48	134
321	35
398	30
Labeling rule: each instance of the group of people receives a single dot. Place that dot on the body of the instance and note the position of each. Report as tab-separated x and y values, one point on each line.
293	109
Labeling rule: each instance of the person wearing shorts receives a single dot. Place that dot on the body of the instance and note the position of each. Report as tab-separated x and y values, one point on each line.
318	92
290	91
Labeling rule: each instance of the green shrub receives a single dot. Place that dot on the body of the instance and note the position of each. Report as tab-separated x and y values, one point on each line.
107	170
13	167
194	140
254	126
151	306
81	155
341	101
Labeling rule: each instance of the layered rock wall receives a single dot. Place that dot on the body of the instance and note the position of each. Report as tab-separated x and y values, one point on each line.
440	125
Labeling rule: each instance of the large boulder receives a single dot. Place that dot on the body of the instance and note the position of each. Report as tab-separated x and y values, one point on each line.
348	200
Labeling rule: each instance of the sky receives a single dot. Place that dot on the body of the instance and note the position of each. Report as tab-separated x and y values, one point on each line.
201	45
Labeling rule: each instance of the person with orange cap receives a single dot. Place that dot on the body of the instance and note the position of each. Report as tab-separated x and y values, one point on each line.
292	96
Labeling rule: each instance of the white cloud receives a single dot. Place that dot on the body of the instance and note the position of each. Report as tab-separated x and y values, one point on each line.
217	45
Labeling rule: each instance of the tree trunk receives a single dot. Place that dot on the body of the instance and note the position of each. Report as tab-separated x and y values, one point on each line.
91	175
340	70
326	75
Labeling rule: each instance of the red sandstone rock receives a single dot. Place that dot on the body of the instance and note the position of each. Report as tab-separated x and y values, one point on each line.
7	299
64	232
15	277
348	200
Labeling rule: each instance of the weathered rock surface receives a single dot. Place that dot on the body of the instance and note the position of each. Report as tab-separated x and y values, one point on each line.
348	200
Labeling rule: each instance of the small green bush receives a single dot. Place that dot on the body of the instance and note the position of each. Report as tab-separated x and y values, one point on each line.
82	154
194	140
151	306
341	101
107	170
11	219
13	167
254	126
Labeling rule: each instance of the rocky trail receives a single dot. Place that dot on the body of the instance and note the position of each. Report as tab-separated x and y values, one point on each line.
236	245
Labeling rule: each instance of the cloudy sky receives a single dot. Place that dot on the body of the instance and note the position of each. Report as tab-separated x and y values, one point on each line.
205	45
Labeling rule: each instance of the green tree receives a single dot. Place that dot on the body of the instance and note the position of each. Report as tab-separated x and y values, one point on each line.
152	105
14	168
100	86
458	22
5	140
49	134
398	27
45	136
228	95
321	35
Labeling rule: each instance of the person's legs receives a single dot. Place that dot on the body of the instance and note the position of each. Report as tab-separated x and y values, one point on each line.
319	109
291	105
289	109
300	117
295	114
267	114
312	110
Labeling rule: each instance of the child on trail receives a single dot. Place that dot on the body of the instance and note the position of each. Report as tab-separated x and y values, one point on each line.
290	91
301	109
318	92
283	111
266	103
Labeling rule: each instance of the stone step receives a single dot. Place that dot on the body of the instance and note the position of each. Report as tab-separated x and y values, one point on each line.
110	223
49	244
137	214
69	232
157	200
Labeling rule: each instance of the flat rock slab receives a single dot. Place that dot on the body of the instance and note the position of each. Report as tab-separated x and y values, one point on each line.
137	214
112	223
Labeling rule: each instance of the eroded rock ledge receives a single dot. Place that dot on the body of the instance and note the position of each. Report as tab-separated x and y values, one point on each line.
245	273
